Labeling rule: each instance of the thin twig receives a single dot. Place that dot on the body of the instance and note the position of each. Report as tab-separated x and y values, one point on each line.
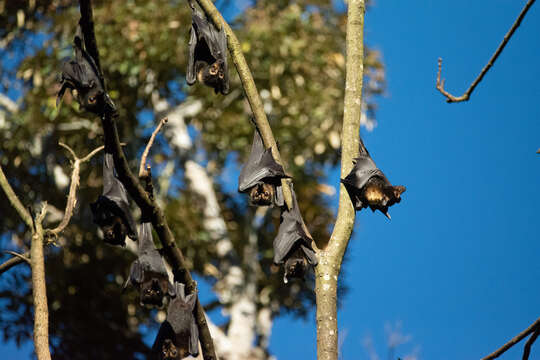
14	200
14	261
440	83
250	88
20	256
68	149
72	196
147	205
535	325
529	343
149	145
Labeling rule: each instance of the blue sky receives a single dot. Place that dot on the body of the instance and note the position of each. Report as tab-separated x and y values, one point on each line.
458	264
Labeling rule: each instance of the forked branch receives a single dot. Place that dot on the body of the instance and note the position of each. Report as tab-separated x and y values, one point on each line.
534	327
440	83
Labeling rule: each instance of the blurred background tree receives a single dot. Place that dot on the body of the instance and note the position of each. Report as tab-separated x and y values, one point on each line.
296	53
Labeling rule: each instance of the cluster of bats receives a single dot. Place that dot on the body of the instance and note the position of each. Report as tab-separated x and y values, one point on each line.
261	178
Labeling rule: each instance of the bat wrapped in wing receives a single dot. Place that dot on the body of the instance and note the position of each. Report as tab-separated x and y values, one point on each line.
207	62
81	74
368	186
292	245
261	176
148	273
178	336
111	210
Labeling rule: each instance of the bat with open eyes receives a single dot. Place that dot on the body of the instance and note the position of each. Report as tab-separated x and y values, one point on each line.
111	210
81	74
178	336
207	62
148	272
261	176
367	185
292	245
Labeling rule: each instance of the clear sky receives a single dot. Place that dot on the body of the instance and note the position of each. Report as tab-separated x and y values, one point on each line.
458	264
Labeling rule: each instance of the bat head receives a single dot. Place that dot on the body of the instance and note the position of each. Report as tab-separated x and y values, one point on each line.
109	218
212	75
368	186
153	289
295	267
169	350
262	194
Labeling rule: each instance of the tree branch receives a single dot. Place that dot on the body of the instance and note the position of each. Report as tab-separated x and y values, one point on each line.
440	84
14	200
331	255
147	205
149	145
250	88
529	343
39	290
72	196
11	263
533	327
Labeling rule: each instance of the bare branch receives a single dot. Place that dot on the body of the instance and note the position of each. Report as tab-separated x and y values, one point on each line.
250	88
331	255
72	196
68	149
14	200
147	205
533	327
149	145
20	256
529	343
12	262
39	290
440	83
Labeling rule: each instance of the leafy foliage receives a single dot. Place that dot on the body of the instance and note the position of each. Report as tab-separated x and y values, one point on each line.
296	52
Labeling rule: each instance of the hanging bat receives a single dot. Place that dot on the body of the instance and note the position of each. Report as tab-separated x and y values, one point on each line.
148	272
111	210
292	245
261	176
207	62
82	75
367	185
178	336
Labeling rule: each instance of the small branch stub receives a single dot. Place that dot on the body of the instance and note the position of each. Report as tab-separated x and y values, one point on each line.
467	94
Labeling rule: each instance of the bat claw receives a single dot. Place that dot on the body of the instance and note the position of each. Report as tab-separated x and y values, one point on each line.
387	214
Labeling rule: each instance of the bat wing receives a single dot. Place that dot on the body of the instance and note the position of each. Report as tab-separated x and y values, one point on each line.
114	190
135	274
191	76
363	170
288	235
149	256
194	339
260	165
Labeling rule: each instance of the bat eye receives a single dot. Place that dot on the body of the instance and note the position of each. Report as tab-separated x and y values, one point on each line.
221	75
92	100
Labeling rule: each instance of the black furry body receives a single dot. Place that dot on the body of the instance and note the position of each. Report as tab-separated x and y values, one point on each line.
261	176
111	210
207	62
148	272
292	245
178	336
